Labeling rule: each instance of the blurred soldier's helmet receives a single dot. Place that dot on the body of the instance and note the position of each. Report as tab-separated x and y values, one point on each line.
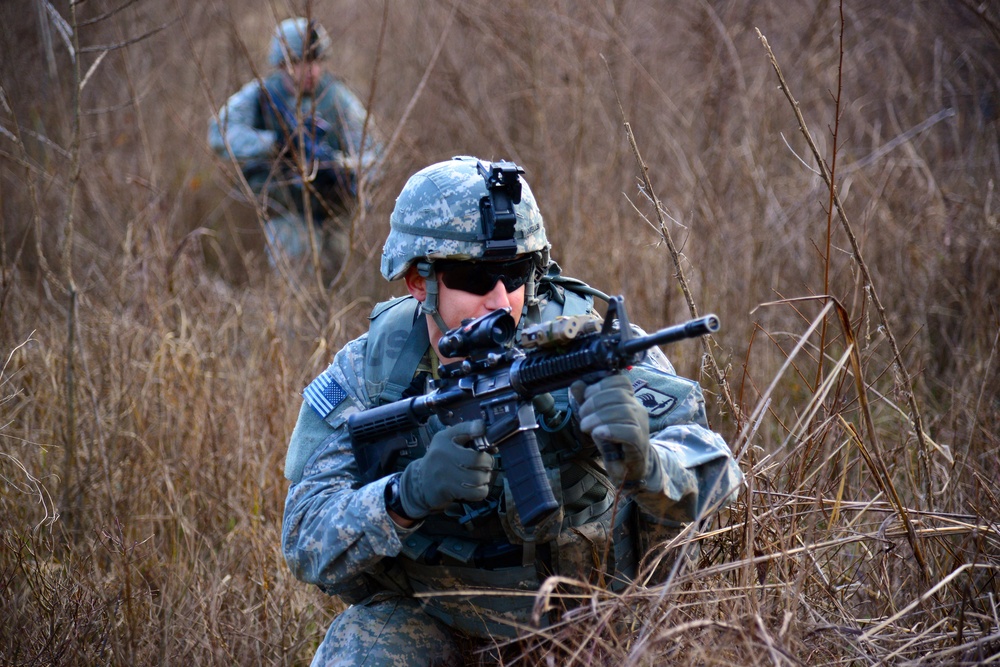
438	215
298	39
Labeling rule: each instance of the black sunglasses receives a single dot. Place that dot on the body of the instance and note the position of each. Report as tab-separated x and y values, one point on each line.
480	278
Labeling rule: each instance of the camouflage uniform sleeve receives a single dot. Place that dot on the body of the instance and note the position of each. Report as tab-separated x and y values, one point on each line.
239	124
349	114
331	531
697	472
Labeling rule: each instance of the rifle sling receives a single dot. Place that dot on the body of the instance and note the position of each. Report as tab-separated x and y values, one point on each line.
406	364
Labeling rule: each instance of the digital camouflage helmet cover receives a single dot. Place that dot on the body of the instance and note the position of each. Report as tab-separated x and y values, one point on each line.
298	39
440	215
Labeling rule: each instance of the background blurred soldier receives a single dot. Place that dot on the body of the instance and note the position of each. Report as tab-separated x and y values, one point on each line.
300	120
442	518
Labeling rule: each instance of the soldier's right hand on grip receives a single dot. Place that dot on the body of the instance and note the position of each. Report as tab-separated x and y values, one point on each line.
449	472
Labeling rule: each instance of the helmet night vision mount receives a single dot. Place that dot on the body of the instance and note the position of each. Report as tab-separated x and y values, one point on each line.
503	186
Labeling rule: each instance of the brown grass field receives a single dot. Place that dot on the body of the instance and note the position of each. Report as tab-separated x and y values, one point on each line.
152	362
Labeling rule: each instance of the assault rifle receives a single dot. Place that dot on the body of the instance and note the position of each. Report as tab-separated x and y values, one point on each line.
495	381
333	175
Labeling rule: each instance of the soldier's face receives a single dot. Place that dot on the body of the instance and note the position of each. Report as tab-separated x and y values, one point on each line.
305	75
455	304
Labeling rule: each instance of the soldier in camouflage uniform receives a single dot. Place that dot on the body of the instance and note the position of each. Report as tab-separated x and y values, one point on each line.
442	519
298	119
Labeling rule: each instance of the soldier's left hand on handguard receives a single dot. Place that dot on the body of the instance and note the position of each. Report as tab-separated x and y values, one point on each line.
610	413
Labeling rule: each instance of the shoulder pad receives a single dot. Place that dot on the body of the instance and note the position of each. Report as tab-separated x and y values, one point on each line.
386	305
563	299
389	345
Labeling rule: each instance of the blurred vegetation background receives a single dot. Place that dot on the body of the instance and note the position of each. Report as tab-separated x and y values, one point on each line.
152	362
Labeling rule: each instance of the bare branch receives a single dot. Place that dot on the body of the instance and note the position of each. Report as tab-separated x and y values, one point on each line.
128	42
109	14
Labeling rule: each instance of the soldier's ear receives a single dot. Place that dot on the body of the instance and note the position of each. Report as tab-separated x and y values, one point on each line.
416	284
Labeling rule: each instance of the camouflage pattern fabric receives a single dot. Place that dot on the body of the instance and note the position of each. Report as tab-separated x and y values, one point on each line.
243	128
437	217
387	630
294	37
287	236
284	227
248	134
340	537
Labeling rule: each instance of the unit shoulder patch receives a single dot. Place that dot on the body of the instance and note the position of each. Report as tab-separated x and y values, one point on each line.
656	401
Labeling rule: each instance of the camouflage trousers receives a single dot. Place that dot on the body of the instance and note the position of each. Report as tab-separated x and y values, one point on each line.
388	630
287	229
289	236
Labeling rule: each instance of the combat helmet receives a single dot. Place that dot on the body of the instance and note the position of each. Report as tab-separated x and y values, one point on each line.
463	209
298	39
439	215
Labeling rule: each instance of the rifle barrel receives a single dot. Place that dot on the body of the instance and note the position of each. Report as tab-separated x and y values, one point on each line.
690	329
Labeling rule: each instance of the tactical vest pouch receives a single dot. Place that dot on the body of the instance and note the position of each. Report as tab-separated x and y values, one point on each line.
505	597
416	545
596	544
544	531
661	544
585	551
459	549
601	552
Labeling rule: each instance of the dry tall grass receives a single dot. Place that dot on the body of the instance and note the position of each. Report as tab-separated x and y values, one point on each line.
152	363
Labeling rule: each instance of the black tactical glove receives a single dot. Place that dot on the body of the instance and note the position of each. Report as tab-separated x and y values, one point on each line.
447	473
610	413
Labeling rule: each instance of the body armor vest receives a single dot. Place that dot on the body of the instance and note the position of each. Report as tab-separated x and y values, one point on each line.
483	545
332	184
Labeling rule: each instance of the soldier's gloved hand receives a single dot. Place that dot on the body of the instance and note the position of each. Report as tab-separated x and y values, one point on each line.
447	473
610	413
324	155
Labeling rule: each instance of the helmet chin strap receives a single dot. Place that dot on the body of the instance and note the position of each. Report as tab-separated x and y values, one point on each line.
531	292
430	302
531	287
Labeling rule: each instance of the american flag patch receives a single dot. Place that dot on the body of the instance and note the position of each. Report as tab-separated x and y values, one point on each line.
324	394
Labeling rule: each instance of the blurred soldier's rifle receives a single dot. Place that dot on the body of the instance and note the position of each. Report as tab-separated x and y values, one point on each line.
330	171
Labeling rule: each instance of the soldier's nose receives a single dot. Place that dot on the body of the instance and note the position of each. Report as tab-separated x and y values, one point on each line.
497	297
